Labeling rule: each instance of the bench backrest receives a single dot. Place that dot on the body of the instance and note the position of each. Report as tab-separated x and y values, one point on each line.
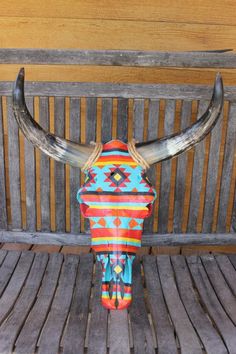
196	191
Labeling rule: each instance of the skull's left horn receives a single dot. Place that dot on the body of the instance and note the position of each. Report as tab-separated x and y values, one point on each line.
162	149
60	149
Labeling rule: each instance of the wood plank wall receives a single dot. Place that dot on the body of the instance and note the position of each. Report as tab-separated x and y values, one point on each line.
137	24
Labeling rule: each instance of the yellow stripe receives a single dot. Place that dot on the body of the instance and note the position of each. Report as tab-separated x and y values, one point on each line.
114	162
118	207
128	239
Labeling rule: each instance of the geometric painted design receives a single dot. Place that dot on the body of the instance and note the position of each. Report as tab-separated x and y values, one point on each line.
116	197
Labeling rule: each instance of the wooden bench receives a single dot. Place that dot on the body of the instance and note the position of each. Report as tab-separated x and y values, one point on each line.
49	302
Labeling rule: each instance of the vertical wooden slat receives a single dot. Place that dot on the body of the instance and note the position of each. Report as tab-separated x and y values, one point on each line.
59	167
211	183
91	118
74	172
106	119
153	121
29	153
181	172
138	122
227	169
3	211
166	171
14	168
197	178
122	119
233	220
44	168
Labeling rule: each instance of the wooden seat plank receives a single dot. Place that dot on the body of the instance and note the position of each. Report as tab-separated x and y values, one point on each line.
119	332
7	268
224	294
11	326
232	258
212	304
3	254
97	340
15	284
52	332
74	337
187	336
211	340
228	270
27	339
141	329
164	330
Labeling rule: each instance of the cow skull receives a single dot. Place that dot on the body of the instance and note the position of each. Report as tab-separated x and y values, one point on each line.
117	194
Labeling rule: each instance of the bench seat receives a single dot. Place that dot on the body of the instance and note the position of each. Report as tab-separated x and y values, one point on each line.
50	303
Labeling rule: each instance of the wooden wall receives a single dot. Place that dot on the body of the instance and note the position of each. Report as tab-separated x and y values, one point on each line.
137	24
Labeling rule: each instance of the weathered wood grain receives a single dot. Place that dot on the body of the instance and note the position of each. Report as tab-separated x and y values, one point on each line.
3	210
27	339
109	90
15	284
52	331
147	239
29	155
7	268
141	329
74	337
163	213
210	338
186	59
163	329
181	172
211	183
122	119
188	339
106	119
199	154
227	168
212	304
74	172
220	285
119	332
60	205
44	168
14	168
228	271
12	325
3	254
97	338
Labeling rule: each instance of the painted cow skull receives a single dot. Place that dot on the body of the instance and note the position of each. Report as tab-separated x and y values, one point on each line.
117	194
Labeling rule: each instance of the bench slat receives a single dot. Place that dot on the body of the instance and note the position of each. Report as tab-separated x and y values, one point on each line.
27	339
107	110
122	119
211	340
212	304
181	173
44	168
119	332
189	342
199	156
97	340
7	268
74	337
15	284
163	329
11	327
141	329
3	210
163	214
14	168
29	153
51	334
75	121
3	254
227	168
228	271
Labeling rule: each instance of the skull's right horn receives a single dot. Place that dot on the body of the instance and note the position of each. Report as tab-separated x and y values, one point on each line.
162	149
58	148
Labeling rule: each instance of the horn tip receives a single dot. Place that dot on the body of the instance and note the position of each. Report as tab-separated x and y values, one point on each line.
22	72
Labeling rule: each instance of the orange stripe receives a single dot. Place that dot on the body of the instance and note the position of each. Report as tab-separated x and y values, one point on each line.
118	212
117	198
115	158
113	248
104	232
115	144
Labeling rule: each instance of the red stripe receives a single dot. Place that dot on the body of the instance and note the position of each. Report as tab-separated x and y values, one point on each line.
115	144
117	198
109	212
116	157
113	248
103	232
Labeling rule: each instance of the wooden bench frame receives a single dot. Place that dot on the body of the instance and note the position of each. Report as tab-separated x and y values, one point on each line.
188	305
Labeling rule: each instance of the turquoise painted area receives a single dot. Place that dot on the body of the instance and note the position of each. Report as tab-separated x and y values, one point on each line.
136	243
112	153
124	223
